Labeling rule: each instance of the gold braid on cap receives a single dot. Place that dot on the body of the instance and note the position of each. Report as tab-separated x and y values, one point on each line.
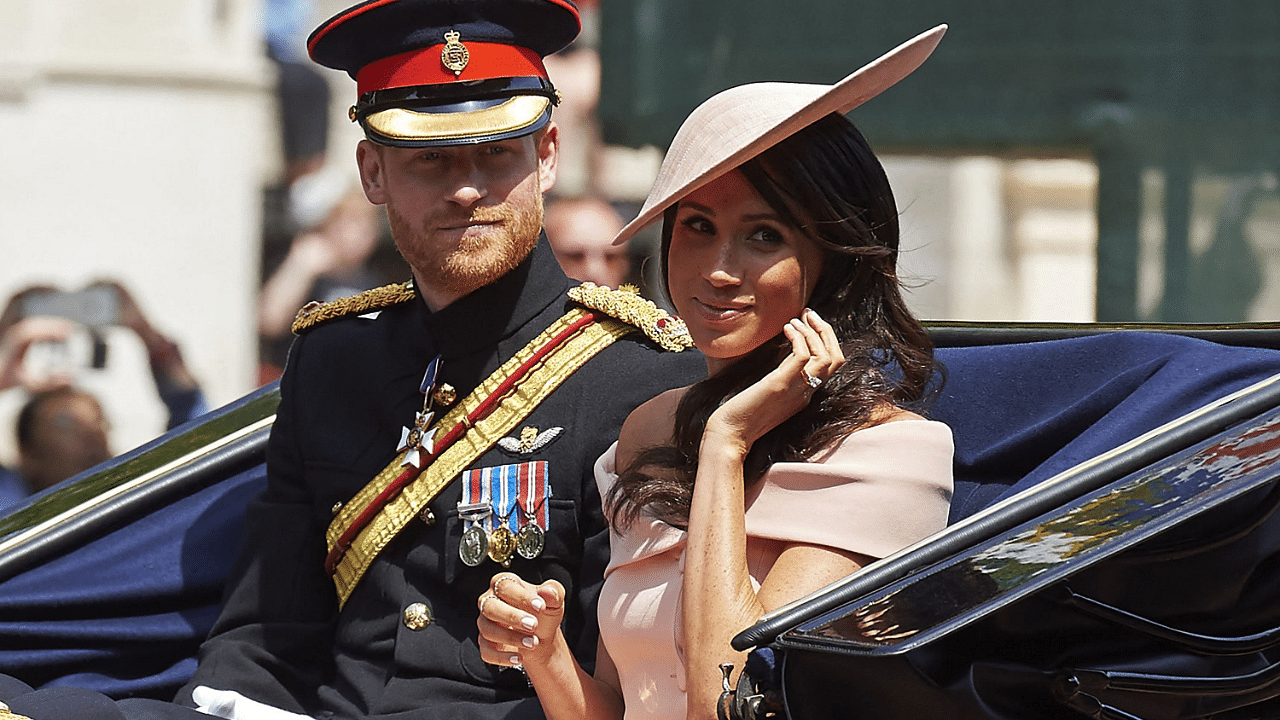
314	313
627	305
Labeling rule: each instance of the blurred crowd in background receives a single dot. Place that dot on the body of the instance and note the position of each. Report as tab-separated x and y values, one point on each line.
183	180
321	240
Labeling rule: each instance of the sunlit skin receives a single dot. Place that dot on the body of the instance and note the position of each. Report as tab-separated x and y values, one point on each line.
461	216
737	273
740	276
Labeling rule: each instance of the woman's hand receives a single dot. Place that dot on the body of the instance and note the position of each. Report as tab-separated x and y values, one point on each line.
520	627
815	356
518	621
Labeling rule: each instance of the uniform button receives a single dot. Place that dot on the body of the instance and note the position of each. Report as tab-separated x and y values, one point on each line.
428	517
417	616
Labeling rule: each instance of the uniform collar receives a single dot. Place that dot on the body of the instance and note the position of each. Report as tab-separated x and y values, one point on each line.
499	310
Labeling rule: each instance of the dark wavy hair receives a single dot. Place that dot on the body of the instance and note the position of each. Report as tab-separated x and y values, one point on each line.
825	181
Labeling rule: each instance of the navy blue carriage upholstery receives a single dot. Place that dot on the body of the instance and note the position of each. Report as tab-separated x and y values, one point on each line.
124	612
1022	413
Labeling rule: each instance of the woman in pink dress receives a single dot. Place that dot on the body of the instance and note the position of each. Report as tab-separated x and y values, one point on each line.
799	459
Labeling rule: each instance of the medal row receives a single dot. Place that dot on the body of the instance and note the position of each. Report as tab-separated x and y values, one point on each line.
505	512
500	544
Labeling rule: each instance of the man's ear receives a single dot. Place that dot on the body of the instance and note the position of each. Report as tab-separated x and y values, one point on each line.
372	175
548	156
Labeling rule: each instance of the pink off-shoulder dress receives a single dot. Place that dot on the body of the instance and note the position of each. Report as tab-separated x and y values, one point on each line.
880	490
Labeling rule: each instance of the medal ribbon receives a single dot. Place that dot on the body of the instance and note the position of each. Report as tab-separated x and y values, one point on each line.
504	483
366	524
534	491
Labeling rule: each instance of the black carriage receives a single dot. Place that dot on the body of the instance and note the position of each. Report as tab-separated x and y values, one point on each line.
1112	551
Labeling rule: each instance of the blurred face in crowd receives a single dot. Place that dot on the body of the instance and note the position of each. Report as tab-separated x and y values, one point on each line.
581	234
68	435
462	216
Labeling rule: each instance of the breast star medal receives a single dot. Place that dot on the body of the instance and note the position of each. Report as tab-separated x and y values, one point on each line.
421	437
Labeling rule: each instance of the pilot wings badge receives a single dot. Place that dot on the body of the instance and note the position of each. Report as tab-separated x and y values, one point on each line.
530	440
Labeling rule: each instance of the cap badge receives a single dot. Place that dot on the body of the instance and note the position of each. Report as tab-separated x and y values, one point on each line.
454	55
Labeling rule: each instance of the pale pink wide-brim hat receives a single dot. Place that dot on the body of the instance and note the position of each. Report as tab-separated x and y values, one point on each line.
740	123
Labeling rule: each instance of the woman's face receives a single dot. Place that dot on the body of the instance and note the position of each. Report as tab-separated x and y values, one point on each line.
735	271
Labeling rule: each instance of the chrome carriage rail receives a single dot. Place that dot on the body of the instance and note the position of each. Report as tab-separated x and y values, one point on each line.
186	459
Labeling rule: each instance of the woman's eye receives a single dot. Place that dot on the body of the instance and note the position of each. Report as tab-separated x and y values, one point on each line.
699	224
767	235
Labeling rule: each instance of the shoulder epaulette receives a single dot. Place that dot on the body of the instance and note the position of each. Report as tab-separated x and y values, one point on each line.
314	313
627	305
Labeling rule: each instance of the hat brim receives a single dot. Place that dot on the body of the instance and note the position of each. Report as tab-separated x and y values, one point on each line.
491	121
738	124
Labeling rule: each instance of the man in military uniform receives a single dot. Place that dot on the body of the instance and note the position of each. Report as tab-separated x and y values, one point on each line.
379	620
434	433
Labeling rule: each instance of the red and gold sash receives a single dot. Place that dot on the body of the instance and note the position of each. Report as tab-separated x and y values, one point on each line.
370	520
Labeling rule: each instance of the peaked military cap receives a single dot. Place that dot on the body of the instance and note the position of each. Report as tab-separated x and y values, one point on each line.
431	73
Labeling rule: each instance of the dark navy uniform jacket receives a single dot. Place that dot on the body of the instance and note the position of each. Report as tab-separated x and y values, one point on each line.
350	386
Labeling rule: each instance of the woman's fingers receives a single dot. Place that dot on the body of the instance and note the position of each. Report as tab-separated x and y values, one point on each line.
814	347
501	636
511	602
827	335
503	628
499	644
516	617
499	654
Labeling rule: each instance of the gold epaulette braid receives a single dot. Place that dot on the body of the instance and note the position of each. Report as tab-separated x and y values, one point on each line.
626	304
314	313
7	714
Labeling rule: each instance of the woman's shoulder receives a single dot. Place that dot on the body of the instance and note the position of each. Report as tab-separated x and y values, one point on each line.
884	486
649	425
895	431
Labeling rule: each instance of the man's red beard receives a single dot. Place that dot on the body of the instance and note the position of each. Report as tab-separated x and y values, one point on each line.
473	262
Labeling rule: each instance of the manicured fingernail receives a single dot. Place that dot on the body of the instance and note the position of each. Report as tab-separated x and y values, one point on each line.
529	621
515	659
530	642
539	604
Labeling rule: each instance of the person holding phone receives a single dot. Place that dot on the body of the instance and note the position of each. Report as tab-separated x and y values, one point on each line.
62	430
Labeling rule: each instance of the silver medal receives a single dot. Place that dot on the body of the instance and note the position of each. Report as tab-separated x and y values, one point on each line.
530	541
474	546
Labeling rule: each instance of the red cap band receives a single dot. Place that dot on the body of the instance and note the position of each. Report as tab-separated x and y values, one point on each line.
425	67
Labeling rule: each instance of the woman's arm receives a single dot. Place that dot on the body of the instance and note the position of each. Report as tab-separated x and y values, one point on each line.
520	625
719	598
